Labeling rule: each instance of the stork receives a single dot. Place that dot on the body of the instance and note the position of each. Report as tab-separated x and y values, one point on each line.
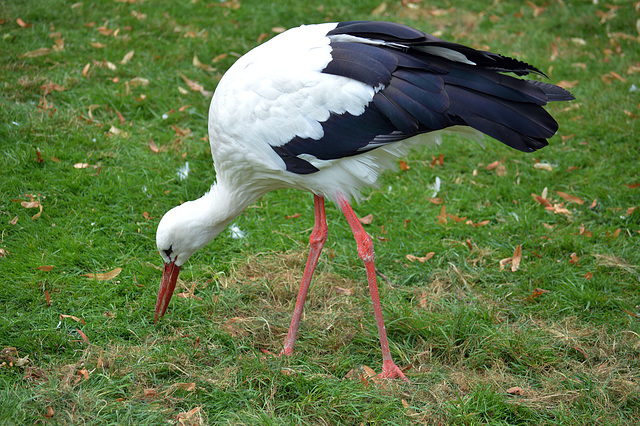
325	109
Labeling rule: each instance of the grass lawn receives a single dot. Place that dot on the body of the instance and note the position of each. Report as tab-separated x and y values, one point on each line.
103	108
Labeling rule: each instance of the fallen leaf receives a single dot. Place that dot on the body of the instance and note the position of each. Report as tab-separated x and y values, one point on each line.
630	210
588	275
423	259
573	258
127	57
150	393
81	165
76	319
139	82
202	66
47	297
97	45
567	84
85	70
189	387
106	276
293	216
442	217
366	220
515	390
51	87
219	57
345	291
494	164
516	258
543	166
49	412
152	146
84	372
195	86
542	200
570	197
403	165
584	232
535	293
22	24
36	53
45	268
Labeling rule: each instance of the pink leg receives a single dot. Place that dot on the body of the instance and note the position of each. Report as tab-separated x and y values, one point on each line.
365	250
316	242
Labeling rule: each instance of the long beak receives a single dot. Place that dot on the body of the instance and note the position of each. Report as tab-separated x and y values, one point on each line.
167	285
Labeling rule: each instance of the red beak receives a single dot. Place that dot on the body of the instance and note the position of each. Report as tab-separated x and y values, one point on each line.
167	285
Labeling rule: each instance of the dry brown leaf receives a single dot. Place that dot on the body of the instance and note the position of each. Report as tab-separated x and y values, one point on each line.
47	297
187	418
573	259
630	210
535	293
200	65
342	290
571	198
150	393
537	10
404	165
127	57
515	390
366	220
493	165
3	252
422	259
611	76
219	57
588	275
139	82
542	200
139	16
293	216
85	70
51	87
380	9
81	165
84	373
189	387
45	268
22	24
567	84
36	53
442	217
49	412
76	319
516	258
153	147
105	276
543	166
97	45
195	86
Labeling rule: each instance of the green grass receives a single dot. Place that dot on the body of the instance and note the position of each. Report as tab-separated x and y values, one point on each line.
566	333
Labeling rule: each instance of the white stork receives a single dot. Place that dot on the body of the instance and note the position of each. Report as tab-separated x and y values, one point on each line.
325	108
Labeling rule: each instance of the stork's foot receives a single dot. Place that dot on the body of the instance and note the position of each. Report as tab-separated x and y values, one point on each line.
391	371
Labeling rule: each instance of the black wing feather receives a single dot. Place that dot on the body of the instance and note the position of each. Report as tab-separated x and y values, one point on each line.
423	91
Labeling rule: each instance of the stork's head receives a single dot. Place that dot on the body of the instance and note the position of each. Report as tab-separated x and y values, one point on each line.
183	230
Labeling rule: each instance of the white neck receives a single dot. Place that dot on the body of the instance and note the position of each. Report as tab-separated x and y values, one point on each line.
192	225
